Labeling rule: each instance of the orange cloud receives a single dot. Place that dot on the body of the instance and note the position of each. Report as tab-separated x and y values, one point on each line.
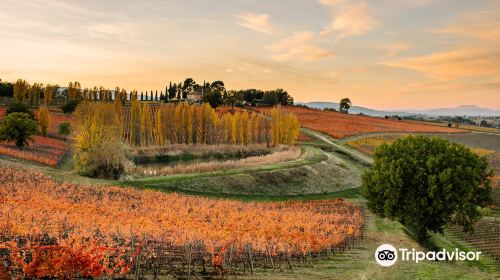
349	20
299	46
256	22
453	64
484	26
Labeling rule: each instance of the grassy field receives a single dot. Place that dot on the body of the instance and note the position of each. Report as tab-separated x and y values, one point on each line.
309	175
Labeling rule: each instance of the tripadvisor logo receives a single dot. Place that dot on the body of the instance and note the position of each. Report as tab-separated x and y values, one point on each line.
387	255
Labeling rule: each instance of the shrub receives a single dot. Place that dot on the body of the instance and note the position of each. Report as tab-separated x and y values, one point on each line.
426	183
18	107
17	127
70	106
64	129
44	120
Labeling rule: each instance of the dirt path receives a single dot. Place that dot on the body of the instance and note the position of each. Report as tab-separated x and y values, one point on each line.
339	145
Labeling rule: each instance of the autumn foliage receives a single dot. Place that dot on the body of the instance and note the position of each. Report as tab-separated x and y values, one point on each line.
41	149
97	141
155	124
44	120
340	125
50	229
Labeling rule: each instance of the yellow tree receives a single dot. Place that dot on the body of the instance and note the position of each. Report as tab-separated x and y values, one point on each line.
146	126
47	94
21	88
159	126
135	123
44	120
189	115
97	142
74	91
34	94
292	129
245	128
285	128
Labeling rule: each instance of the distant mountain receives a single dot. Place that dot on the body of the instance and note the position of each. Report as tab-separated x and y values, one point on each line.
467	110
352	110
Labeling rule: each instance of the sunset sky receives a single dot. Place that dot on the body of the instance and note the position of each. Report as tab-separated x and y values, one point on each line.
385	54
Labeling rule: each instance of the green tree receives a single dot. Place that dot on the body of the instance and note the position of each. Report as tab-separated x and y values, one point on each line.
171	91
218	85
270	99
188	87
426	183
6	89
345	105
282	97
64	129
17	127
70	106
213	97
18	107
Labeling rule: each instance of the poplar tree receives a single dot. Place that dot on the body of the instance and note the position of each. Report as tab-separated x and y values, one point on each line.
47	95
44	120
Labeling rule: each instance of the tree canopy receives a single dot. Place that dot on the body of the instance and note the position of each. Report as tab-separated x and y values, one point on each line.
345	105
17	127
426	183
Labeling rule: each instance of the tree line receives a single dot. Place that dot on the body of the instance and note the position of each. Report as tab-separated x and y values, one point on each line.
214	93
152	125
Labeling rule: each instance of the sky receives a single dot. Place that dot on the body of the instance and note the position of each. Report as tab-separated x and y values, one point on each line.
384	54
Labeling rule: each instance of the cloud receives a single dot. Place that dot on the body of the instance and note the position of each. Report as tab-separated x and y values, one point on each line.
484	26
453	64
256	22
477	53
349	20
332	2
394	49
299	46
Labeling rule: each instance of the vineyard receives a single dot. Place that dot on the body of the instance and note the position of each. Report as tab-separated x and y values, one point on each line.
43	150
486	236
340	125
368	145
56	116
58	229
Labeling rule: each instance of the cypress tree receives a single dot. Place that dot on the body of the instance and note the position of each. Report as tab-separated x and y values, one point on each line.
156	95
170	96
142	96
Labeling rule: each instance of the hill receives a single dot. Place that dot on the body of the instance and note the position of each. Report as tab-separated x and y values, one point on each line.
468	110
352	110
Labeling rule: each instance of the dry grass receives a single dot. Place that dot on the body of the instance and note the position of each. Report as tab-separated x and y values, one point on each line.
285	154
200	150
